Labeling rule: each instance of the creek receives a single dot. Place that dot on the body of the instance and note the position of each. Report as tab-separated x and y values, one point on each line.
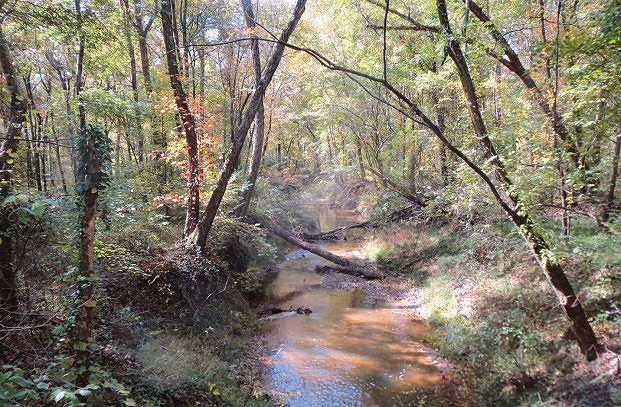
353	349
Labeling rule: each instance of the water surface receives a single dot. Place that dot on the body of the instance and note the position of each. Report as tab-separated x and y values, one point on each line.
353	350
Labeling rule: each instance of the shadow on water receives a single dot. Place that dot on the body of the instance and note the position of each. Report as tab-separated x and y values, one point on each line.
353	350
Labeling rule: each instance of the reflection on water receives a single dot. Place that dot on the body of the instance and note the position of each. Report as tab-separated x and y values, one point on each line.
353	350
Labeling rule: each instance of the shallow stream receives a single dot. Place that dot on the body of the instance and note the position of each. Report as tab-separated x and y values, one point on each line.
352	350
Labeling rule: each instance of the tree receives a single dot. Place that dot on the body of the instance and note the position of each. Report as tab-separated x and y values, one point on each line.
515	209
186	116
8	153
93	159
259	120
206	221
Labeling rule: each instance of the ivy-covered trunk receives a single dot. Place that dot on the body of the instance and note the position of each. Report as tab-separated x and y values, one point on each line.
8	155
93	158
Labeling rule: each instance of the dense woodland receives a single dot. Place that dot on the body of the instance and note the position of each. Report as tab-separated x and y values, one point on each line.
155	154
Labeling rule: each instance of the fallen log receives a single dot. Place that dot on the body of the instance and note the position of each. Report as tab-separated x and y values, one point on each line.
335	234
346	265
367	275
401	190
271	312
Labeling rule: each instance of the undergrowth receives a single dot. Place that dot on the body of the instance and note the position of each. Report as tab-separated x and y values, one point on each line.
497	319
173	328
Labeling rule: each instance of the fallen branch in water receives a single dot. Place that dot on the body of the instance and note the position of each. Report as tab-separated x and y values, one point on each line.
346	266
367	274
335	234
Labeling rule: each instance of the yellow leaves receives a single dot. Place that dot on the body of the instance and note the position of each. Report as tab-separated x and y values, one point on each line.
213	389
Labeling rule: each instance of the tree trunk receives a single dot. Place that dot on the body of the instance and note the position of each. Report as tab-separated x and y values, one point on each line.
242	130
440	112
133	73
187	119
259	119
8	154
117	155
516	212
610	196
83	333
57	148
363	175
79	68
91	156
29	172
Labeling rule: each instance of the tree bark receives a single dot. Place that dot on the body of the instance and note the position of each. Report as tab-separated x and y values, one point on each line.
241	131
90	159
552	270
8	154
259	119
187	118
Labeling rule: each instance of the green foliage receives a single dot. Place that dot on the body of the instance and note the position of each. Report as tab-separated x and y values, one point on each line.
52	386
94	157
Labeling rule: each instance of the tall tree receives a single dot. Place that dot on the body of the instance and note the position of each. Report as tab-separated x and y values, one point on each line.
259	120
241	130
515	209
8	155
187	118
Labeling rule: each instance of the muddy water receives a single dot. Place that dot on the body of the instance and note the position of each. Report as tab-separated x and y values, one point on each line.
353	350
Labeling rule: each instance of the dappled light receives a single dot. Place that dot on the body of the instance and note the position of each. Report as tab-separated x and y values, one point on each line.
272	203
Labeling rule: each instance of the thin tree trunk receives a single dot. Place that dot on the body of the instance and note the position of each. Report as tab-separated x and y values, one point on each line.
133	73
29	172
610	196
34	132
70	128
259	119
57	148
440	114
363	175
517	213
187	119
117	155
241	131
79	68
